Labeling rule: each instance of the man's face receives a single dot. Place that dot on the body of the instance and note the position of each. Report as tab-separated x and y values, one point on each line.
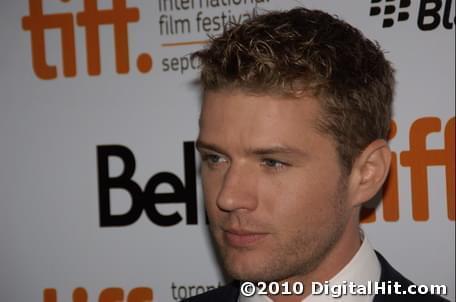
273	186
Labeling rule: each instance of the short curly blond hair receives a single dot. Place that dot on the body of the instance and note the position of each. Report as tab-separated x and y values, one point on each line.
308	51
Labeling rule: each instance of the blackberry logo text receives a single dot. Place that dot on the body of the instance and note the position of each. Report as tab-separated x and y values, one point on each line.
431	13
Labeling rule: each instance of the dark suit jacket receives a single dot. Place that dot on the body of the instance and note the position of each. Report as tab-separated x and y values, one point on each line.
230	292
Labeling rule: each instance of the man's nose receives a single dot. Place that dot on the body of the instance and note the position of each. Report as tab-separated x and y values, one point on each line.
239	189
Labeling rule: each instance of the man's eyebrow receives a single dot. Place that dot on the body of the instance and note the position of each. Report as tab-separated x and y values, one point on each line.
205	145
280	149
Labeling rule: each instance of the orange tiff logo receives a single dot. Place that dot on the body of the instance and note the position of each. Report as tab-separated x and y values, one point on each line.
112	294
119	16
418	159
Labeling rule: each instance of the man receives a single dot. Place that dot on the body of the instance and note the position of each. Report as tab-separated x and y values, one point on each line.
295	113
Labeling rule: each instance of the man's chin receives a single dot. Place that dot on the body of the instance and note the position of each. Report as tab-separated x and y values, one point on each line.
246	265
245	275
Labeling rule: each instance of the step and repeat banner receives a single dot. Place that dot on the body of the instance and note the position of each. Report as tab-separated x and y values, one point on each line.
100	195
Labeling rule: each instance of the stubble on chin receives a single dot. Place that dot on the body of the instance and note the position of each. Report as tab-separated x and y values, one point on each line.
276	260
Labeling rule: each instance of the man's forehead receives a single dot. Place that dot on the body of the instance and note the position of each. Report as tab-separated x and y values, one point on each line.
258	124
240	102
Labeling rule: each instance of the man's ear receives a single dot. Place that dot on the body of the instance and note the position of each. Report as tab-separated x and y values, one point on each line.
369	172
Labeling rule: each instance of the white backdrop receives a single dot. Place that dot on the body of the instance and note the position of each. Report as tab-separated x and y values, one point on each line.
52	122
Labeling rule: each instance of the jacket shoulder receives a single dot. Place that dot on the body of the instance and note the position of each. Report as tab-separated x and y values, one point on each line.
227	293
388	273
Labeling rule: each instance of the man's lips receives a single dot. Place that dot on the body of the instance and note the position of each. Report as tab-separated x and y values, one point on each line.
242	238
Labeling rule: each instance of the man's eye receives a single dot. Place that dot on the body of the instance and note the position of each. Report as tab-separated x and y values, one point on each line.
213	159
272	163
